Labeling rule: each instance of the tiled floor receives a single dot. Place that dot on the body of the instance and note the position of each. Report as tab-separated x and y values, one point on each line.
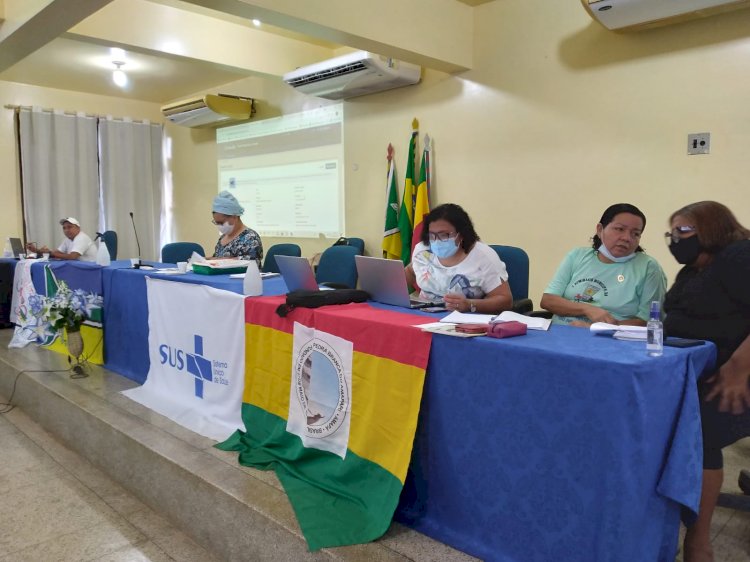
730	528
55	506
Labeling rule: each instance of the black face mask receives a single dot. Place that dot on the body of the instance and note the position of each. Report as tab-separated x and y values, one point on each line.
686	251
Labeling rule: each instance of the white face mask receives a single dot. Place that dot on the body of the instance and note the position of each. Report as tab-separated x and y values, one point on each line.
606	253
225	228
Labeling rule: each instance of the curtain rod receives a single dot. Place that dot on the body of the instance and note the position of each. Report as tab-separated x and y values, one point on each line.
79	114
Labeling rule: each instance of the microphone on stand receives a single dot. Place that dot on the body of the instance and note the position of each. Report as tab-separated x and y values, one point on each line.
137	265
99	236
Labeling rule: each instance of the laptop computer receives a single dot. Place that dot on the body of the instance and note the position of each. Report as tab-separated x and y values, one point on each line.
297	273
16	247
385	281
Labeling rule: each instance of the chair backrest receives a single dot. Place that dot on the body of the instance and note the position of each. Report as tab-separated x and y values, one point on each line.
357	243
517	263
270	265
110	240
337	266
180	251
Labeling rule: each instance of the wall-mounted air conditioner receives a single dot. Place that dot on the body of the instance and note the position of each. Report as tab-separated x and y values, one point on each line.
209	110
627	15
354	74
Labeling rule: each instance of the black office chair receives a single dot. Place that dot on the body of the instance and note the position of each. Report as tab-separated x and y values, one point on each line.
336	268
517	263
180	251
110	240
270	265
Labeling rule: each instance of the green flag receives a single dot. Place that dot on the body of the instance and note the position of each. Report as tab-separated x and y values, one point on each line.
406	217
391	232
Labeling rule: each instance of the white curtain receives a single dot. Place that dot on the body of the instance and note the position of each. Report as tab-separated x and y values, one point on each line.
131	181
60	175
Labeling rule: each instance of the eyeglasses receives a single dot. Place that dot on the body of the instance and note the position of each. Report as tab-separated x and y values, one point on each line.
674	235
442	236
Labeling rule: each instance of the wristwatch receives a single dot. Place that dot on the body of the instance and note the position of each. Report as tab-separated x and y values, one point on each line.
472	306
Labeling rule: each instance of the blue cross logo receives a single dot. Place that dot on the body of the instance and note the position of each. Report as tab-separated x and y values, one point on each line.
199	366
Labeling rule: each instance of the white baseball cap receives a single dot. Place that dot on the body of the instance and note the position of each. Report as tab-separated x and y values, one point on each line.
71	220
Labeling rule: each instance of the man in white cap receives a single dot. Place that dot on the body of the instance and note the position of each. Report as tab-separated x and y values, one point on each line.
77	245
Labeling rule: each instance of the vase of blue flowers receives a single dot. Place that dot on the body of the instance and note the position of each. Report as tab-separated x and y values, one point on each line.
63	312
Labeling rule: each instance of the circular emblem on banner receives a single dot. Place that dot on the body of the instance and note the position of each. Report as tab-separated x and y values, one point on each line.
321	388
620	278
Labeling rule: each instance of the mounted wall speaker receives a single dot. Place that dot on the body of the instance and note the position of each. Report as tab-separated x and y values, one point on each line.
632	15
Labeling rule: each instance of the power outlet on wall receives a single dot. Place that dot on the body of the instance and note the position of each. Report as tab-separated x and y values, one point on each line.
699	143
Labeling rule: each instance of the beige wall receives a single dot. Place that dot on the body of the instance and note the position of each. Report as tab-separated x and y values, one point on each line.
558	119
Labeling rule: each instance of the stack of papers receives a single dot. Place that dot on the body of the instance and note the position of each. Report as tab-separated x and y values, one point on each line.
446	329
635	333
532	323
263	275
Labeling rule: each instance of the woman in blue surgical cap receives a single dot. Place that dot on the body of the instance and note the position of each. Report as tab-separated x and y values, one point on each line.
236	241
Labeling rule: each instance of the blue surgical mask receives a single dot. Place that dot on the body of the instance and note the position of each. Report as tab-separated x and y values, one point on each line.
444	248
606	253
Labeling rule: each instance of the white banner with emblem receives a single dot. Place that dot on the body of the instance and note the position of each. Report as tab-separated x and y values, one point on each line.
197	351
320	396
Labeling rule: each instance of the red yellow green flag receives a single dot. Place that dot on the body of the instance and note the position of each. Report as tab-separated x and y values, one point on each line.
422	203
347	496
391	232
406	216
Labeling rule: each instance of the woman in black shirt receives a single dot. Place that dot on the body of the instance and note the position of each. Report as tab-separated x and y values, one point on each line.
710	300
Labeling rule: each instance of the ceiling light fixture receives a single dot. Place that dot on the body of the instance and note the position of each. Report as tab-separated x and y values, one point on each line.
118	75
256	23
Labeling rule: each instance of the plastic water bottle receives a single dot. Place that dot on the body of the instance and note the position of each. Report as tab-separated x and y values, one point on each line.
253	285
655	331
102	254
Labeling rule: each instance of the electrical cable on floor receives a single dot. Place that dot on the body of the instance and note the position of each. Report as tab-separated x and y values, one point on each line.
8	406
77	371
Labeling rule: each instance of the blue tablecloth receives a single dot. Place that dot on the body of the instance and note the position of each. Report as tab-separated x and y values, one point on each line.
126	312
558	445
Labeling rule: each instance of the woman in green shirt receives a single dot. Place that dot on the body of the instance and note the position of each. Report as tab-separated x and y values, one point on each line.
613	281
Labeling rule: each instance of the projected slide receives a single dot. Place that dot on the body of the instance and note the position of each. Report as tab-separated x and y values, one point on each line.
287	172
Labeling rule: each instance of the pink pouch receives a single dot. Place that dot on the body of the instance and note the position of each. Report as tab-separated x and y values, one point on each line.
506	329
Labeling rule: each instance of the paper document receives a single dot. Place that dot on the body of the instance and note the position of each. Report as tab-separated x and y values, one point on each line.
447	329
263	275
604	328
457	317
532	322
620	332
630	334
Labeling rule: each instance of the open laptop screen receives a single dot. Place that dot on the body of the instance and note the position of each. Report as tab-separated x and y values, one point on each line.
385	281
297	273
16	247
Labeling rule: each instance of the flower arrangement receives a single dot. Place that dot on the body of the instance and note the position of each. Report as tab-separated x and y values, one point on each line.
67	309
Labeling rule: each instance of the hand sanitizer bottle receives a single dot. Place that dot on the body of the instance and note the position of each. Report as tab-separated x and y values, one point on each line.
253	285
655	332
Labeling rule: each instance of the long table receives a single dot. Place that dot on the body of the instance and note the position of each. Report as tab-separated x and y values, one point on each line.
559	445
126	312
